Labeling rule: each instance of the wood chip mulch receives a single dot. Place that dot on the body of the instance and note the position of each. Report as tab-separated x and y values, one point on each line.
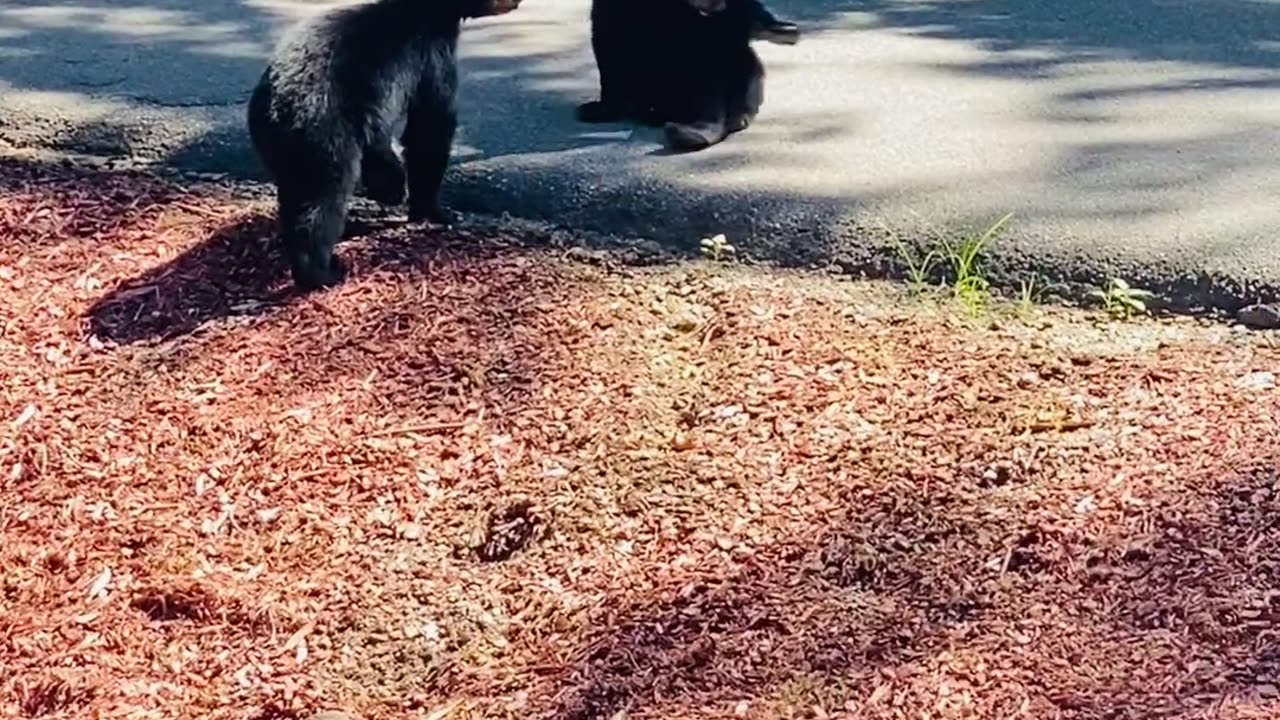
480	480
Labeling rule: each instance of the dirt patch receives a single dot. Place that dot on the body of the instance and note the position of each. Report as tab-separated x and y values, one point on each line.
498	481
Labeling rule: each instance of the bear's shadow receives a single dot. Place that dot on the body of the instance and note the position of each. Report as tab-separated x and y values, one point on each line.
236	271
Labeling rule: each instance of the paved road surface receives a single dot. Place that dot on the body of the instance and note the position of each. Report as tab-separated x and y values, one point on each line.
1138	137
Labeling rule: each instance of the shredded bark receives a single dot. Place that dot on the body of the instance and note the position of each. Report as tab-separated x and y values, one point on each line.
485	480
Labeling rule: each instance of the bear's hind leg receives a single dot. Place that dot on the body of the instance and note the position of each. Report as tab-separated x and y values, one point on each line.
615	87
710	127
701	109
595	112
745	104
382	173
695	135
615	62
428	143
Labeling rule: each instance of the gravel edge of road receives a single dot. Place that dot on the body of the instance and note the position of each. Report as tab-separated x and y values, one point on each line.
625	213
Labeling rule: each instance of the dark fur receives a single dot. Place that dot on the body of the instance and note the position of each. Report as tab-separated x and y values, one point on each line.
687	64
325	111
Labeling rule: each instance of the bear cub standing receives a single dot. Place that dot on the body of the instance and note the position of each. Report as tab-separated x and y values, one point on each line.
324	112
702	79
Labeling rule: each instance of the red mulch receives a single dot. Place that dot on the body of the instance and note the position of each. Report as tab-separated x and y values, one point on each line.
480	480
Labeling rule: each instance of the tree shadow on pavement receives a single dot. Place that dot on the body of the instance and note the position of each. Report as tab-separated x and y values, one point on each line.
198	64
1225	33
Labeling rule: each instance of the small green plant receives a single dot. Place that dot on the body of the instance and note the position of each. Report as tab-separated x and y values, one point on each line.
1028	295
717	248
969	286
917	268
1120	300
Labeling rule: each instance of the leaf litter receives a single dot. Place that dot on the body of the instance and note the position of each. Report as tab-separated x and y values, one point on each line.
485	479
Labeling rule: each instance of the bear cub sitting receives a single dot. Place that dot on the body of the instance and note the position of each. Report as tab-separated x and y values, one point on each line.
702	80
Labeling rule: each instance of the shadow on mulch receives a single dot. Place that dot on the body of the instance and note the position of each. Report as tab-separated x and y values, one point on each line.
234	271
62	216
811	622
149	259
1167	613
238	270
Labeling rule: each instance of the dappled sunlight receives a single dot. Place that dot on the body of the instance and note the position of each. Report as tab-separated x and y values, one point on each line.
964	125
1115	152
500	474
947	113
484	471
197	32
959	113
1224	33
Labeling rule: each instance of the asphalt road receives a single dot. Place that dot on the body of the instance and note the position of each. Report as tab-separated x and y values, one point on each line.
1138	138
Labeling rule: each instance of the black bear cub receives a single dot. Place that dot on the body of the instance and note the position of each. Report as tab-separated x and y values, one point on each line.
685	64
323	115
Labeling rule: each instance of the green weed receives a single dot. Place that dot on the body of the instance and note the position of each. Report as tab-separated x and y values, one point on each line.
969	286
1119	300
1028	296
917	268
718	248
